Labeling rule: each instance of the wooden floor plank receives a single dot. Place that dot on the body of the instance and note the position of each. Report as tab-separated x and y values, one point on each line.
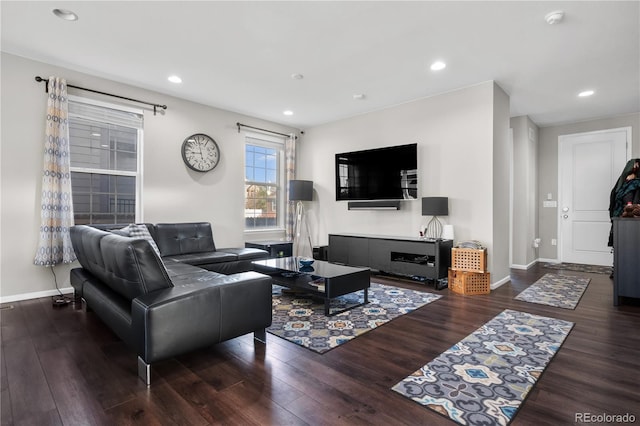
30	395
6	414
74	399
64	366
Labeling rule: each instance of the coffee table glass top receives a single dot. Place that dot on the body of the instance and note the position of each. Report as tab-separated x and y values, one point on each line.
318	268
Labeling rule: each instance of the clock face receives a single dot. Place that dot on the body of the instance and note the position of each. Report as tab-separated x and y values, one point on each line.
200	152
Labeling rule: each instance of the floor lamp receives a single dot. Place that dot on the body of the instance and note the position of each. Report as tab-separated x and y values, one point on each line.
299	191
435	206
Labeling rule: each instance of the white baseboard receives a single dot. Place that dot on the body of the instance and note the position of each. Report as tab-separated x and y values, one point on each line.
539	260
35	295
499	283
525	267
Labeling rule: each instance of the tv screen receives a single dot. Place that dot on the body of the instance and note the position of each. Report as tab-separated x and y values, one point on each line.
389	173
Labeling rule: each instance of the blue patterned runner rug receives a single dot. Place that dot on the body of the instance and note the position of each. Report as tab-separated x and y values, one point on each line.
561	291
483	379
301	320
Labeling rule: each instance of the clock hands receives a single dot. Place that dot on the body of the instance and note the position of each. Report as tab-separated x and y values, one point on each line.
200	148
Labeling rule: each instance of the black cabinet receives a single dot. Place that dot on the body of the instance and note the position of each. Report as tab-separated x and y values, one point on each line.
428	258
626	251
352	251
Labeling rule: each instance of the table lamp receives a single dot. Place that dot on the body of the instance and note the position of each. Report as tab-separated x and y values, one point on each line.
435	206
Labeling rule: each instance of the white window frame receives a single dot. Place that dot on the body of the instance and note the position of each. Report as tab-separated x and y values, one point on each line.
139	150
273	142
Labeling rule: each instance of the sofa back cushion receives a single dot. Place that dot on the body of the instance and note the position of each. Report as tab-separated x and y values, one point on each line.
128	266
86	244
183	238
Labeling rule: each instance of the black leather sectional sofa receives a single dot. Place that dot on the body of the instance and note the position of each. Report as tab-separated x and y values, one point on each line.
175	301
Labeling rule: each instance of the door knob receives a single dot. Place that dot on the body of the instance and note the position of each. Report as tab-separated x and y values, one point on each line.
566	209
565	216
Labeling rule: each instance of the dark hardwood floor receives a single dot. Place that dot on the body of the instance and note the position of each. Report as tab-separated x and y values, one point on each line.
63	366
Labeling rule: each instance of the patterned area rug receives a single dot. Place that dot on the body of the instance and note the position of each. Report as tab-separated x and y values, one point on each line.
594	269
483	379
301	320
561	291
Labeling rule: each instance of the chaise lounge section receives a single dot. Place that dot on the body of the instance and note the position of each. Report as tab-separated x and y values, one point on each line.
165	306
193	243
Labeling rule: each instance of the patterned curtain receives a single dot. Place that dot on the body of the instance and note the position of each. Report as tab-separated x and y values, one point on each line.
56	213
290	159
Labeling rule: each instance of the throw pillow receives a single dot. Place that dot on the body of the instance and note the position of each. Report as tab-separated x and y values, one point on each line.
141	231
125	232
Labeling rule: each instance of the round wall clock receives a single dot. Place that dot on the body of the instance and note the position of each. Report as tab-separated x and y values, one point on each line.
200	152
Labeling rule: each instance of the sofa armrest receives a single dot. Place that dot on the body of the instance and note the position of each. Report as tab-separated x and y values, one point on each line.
176	320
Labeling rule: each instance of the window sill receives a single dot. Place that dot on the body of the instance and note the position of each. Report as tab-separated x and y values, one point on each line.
263	231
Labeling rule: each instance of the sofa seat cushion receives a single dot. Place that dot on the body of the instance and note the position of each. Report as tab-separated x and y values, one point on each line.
200	276
175	268
247	253
179	272
203	258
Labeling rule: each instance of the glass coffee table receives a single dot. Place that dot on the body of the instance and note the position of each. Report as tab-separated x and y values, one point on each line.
321	279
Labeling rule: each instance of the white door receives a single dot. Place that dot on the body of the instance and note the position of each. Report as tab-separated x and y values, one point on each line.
589	165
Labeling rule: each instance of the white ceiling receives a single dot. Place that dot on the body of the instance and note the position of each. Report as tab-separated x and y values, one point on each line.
240	55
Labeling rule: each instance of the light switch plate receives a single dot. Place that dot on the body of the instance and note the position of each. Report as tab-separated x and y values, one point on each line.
550	204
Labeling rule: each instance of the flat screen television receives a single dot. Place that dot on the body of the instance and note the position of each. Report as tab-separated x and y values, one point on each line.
389	173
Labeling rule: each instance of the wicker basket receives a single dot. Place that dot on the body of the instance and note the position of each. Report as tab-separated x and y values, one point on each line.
471	260
469	283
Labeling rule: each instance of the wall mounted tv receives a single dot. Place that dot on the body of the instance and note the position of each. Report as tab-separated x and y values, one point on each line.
389	173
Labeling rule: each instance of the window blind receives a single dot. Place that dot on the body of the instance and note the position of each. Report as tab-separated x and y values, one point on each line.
105	115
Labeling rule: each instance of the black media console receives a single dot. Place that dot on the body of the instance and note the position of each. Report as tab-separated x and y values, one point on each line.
415	257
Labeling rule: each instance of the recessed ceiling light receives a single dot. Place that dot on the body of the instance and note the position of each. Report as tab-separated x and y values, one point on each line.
359	96
586	93
287	112
67	15
438	65
174	79
297	76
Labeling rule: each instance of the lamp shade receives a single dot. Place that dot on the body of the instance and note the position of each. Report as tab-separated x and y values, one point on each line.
300	190
435	206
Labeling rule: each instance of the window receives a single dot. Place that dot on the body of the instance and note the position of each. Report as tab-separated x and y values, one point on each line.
264	177
104	143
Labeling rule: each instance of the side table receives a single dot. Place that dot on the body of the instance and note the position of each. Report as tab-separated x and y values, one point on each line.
275	248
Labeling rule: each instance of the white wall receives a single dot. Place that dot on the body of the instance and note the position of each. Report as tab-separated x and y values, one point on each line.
455	135
498	251
171	192
525	203
548	169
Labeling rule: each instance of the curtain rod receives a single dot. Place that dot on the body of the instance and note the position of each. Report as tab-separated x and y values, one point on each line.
40	79
263	130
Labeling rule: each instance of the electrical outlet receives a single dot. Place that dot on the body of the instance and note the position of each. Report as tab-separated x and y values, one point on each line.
554	242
